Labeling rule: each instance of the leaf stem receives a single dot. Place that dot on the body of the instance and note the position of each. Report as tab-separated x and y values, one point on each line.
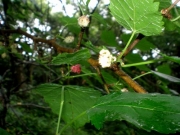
175	19
142	75
80	6
60	110
120	56
140	63
88	74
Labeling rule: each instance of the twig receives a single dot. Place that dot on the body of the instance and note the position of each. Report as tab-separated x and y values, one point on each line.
28	105
36	39
133	84
80	38
28	89
133	44
93	62
102	78
85	29
169	8
128	79
63	6
5	73
18	85
165	12
95	8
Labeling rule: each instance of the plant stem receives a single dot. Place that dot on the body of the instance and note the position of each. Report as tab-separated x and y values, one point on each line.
88	74
60	110
175	19
169	8
142	75
120	56
81	7
133	44
140	63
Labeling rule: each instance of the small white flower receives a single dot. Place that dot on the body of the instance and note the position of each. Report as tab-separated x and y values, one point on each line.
113	59
69	39
104	52
83	21
105	58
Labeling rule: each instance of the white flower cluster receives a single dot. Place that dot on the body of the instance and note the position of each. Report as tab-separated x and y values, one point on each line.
106	58
83	21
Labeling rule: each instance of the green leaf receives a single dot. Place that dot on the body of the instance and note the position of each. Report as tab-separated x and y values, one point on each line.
26	47
163	3
108	77
157	112
76	100
99	18
125	37
167	77
164	69
3	132
169	25
3	49
140	16
172	58
136	58
144	45
94	48
72	58
71	23
109	38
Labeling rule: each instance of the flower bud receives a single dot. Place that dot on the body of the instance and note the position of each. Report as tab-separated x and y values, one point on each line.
124	90
69	39
83	21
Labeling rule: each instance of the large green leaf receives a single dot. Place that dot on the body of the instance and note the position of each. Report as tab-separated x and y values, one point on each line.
167	77
72	58
163	3
165	68
140	16
157	112
3	132
172	58
109	38
144	45
76	100
70	23
169	25
108	77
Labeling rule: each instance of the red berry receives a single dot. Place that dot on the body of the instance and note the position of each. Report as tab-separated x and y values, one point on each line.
76	68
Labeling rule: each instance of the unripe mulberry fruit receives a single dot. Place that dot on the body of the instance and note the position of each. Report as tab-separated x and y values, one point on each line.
83	21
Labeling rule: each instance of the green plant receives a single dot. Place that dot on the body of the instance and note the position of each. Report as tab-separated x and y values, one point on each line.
78	88
157	112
